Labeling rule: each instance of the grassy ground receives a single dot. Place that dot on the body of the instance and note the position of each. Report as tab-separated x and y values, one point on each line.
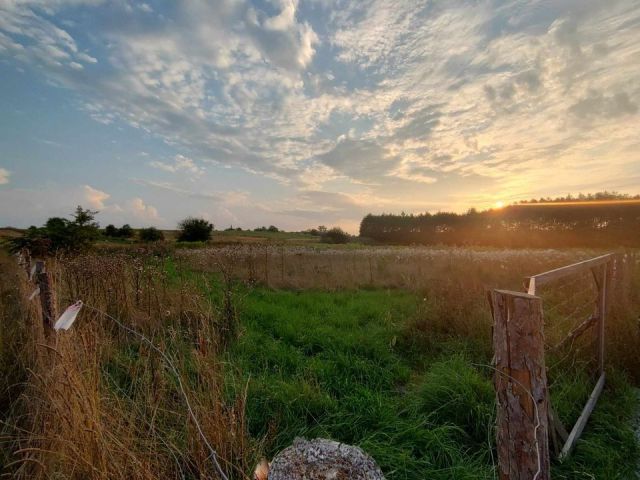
343	365
401	372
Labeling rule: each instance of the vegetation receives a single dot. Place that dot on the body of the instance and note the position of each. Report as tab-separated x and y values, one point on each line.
60	235
600	220
402	372
194	230
270	228
123	232
335	235
151	234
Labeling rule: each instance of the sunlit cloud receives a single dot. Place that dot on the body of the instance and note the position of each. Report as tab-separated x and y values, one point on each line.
403	102
4	176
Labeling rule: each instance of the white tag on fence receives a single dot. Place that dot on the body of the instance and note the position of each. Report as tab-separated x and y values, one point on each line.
34	294
68	317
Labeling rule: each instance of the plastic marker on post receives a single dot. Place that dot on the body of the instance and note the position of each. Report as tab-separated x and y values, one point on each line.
68	317
34	294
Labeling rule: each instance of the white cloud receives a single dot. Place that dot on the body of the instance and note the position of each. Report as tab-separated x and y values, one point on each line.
4	176
377	98
95	198
180	163
143	211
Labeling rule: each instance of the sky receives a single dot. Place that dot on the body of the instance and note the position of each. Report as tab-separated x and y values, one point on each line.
311	112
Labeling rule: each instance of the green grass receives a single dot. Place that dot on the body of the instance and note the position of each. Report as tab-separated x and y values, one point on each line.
328	364
338	365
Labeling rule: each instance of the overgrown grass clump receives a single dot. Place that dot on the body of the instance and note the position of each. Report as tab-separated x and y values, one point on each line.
357	367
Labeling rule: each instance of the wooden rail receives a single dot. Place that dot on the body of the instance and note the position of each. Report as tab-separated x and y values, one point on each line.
577	429
546	277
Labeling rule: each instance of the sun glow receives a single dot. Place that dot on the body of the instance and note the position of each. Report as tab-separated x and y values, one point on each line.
499	204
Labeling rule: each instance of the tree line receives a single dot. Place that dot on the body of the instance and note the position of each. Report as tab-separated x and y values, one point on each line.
604	219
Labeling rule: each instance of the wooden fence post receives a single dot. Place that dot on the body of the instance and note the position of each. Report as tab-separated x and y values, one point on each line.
47	299
521	386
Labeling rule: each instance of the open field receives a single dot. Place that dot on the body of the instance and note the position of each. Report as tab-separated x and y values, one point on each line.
386	348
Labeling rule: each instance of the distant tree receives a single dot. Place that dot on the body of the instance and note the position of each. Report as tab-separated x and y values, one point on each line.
273	228
60	234
151	234
194	230
335	235
322	229
125	231
111	231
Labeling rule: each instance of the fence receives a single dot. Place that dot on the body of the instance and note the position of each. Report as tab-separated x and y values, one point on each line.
526	421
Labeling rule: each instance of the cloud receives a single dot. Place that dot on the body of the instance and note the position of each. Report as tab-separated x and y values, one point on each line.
376	98
143	211
180	164
596	104
95	198
362	160
4	176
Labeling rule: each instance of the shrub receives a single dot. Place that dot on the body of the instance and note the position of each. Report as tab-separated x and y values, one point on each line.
151	234
194	230
125	231
60	234
335	235
111	231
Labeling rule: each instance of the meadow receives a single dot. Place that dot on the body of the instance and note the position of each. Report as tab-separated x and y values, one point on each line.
388	348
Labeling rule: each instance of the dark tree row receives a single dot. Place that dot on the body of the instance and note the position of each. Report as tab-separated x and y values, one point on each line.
600	220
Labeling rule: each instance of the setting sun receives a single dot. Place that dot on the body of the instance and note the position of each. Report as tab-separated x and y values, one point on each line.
499	204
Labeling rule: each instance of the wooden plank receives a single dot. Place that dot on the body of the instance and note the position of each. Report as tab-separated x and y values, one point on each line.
582	420
546	277
47	298
522	432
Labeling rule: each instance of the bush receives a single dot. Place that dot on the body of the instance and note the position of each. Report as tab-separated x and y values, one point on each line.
194	230
335	235
125	231
151	234
111	231
60	234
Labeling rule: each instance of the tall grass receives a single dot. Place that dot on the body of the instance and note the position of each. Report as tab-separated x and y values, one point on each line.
387	348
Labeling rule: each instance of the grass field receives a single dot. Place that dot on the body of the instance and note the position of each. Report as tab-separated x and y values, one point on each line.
402	371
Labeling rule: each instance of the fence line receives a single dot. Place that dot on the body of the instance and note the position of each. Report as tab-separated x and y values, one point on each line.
518	340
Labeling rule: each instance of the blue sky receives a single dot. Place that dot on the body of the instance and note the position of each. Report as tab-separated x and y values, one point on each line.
300	113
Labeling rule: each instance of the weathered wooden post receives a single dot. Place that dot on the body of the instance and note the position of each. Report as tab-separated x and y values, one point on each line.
47	299
521	386
602	277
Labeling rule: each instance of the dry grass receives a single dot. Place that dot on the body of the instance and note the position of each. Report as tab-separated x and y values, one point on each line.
94	402
97	403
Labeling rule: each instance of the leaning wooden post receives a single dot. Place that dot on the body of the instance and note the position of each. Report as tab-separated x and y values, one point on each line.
521	386
602	276
47	299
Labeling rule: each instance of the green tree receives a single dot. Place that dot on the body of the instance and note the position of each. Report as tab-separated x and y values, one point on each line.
111	231
125	231
335	235
194	230
60	234
151	234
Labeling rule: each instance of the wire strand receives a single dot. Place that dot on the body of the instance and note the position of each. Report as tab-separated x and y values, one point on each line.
212	453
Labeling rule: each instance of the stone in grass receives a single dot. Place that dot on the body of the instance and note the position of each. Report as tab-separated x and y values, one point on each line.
322	459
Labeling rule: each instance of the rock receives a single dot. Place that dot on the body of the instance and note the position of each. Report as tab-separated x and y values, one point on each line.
322	459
